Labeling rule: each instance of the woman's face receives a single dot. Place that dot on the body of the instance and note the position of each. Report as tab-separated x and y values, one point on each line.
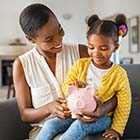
100	48
49	37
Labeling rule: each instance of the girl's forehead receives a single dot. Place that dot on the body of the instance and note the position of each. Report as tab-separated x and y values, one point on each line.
99	38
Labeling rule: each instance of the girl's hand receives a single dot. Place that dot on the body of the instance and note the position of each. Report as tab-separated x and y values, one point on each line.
112	134
86	118
58	109
79	84
92	116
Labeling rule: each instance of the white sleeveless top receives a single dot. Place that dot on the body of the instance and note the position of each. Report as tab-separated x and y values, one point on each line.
44	86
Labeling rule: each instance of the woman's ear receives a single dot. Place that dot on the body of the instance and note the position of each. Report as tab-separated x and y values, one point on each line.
30	39
116	47
62	32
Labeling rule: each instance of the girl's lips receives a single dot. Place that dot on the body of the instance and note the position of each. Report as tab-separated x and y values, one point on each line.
98	58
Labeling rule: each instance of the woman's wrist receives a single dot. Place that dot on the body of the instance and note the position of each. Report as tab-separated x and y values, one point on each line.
108	106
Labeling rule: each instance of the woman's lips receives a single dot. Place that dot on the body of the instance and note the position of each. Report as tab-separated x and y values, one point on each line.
59	46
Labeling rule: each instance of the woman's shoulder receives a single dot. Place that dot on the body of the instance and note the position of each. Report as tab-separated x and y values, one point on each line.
82	49
29	54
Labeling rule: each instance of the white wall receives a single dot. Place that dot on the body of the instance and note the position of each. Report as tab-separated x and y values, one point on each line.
130	8
74	27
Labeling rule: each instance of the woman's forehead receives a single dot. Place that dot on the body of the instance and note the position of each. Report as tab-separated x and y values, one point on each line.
50	28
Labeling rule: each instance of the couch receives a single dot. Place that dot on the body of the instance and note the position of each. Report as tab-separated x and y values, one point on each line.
12	128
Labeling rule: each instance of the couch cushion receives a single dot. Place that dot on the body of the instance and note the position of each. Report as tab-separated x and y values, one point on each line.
11	126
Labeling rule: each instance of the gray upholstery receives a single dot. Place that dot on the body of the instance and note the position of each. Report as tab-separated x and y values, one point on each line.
12	128
133	126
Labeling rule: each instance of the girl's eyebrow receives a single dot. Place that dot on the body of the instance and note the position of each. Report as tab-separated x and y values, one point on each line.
90	44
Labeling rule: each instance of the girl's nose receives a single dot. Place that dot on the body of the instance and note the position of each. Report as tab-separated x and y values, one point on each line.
96	50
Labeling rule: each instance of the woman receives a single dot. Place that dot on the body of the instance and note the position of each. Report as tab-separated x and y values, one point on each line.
39	73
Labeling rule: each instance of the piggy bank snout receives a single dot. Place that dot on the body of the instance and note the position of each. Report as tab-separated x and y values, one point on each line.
79	103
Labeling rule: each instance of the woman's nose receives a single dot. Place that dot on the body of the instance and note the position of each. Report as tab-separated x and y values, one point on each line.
58	40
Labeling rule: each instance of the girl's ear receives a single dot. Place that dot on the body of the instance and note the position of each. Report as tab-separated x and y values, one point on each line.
116	47
30	39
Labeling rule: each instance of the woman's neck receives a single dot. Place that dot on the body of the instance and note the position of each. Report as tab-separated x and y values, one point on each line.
47	55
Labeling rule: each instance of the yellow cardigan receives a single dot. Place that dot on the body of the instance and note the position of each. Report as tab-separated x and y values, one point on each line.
115	82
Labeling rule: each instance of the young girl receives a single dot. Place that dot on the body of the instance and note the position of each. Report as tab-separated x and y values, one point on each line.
109	78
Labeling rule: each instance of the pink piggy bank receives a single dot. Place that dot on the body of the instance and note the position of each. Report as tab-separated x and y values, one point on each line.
81	99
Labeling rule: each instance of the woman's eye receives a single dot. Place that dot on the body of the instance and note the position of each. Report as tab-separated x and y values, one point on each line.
48	40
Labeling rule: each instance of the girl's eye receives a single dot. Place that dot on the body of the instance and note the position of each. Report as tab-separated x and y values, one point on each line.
104	48
90	47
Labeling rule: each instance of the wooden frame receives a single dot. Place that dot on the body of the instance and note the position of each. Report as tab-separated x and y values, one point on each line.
127	60
133	24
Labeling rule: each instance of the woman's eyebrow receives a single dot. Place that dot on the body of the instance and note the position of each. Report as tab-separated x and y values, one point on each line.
49	37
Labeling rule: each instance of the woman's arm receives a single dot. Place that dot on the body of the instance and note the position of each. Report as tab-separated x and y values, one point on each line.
83	51
101	110
23	97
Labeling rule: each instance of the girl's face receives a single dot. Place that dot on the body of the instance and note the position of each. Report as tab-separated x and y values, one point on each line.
49	38
100	48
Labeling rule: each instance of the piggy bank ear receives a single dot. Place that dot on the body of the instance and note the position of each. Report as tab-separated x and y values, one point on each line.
90	90
71	88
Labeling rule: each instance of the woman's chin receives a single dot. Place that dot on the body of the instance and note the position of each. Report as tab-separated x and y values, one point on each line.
58	50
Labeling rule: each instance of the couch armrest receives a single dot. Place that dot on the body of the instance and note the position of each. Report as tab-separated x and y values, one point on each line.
11	126
133	125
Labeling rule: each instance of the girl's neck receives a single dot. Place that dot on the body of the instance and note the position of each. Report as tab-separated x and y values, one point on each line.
104	66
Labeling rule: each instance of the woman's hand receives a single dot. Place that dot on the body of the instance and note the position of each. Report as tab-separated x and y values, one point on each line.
92	116
58	108
112	134
101	110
